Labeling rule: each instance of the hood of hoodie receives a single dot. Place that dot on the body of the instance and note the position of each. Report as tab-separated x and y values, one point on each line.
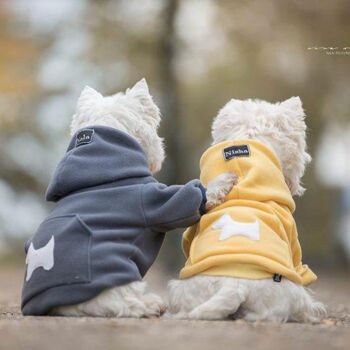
260	175
95	156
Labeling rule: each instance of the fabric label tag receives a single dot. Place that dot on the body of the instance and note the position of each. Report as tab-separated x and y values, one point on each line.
84	137
277	277
236	151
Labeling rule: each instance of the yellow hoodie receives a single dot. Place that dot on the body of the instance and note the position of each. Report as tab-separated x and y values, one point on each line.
252	234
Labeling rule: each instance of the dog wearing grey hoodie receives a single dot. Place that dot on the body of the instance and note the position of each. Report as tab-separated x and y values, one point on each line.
89	256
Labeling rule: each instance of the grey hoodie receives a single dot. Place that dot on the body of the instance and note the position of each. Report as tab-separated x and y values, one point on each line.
109	222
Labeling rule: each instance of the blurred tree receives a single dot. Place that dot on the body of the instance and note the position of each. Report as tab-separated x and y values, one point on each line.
172	129
170	103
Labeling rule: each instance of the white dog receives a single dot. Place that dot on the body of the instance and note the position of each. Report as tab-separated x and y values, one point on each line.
134	113
217	289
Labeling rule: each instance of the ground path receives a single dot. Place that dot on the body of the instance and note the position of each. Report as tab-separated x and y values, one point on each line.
50	333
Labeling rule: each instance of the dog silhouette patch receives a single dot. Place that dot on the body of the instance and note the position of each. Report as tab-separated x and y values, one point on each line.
230	228
42	257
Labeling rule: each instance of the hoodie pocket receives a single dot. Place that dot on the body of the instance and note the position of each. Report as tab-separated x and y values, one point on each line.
58	254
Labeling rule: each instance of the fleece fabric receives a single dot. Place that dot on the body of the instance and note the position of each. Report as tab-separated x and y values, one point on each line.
252	234
108	224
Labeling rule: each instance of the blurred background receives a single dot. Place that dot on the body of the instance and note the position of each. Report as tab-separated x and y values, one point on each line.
196	55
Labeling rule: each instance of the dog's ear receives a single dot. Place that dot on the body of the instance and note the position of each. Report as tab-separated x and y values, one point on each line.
295	155
294	106
88	106
87	99
139	89
141	93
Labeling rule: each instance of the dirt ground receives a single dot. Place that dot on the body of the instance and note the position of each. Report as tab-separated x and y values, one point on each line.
18	332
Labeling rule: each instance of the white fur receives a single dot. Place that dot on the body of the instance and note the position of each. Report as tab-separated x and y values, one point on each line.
135	113
217	298
130	300
280	126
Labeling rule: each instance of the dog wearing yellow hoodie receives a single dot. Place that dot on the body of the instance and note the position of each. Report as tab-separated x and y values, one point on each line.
244	256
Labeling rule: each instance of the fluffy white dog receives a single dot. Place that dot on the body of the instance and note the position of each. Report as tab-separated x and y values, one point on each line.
209	289
134	113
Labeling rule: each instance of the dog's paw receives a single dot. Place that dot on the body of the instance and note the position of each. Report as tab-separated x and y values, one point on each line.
154	305
218	188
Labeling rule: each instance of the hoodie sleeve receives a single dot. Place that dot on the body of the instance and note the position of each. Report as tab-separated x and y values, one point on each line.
187	239
306	274
169	207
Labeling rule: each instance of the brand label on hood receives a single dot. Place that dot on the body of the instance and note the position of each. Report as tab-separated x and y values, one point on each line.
84	137
236	151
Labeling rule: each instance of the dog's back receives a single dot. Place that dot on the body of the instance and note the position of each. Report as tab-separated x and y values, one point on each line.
252	234
97	227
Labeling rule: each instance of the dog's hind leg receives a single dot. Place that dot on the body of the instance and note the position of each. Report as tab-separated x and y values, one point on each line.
306	308
130	300
221	305
154	305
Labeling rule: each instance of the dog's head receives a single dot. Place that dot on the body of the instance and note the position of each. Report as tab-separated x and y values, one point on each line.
132	112
281	126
